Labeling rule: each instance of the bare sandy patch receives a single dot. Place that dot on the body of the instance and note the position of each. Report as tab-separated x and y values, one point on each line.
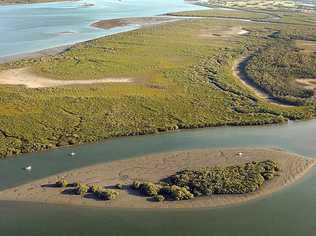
222	31
306	46
25	77
156	167
307	83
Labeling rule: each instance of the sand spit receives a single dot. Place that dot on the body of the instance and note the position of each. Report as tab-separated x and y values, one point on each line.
25	77
155	167
140	21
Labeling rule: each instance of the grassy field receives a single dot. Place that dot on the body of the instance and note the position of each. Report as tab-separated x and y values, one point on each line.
183	79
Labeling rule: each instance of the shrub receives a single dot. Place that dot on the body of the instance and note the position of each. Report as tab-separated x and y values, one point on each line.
158	198
180	193
107	194
119	186
61	183
82	189
149	189
176	193
136	185
74	184
94	188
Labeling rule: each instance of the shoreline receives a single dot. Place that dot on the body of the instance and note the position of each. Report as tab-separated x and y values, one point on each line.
36	54
121	22
157	166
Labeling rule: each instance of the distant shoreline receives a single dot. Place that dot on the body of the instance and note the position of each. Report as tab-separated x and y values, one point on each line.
155	167
103	24
32	55
17	2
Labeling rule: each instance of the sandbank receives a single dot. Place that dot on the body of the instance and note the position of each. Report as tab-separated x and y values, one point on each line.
140	21
155	167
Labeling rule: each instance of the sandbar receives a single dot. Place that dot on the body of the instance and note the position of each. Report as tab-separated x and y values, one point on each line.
156	167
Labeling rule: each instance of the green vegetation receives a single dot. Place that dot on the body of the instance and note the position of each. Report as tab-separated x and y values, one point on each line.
119	186
277	72
182	80
146	189
106	194
158	198
81	189
187	184
176	193
226	180
95	188
61	183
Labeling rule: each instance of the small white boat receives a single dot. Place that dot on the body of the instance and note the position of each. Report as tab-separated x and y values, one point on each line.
29	168
72	154
239	154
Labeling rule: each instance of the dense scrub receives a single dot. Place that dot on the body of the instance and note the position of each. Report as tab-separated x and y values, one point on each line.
187	184
97	191
226	180
276	68
161	192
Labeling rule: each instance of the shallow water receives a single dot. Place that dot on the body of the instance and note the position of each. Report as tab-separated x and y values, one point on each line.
287	212
34	27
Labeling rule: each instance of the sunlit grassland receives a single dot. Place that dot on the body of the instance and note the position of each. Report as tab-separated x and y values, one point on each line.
183	80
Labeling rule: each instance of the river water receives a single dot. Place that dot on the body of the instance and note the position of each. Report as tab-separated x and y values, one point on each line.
34	27
291	211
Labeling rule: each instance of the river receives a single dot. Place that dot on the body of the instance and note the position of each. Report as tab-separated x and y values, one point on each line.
288	212
33	27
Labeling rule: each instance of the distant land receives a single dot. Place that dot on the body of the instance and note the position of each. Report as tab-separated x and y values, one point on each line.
7	2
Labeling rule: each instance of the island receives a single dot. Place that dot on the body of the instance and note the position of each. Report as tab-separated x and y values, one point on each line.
184	179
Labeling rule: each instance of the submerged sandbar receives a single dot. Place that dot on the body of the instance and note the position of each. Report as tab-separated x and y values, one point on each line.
153	168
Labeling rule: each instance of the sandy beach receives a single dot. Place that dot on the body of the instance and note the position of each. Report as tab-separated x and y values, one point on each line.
155	167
